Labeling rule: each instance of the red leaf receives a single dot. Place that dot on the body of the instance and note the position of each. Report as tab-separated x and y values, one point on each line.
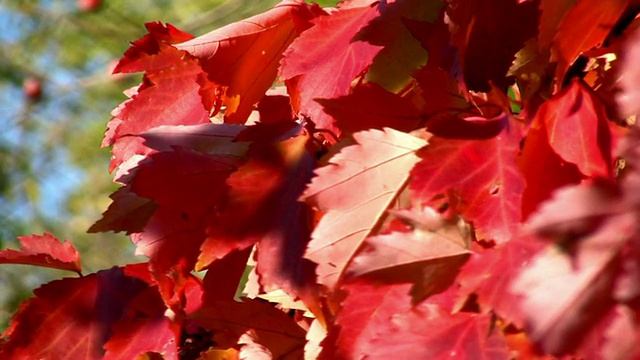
559	285
127	212
364	313
273	328
629	98
264	193
141	56
243	57
73	317
577	129
369	106
428	332
489	194
583	27
552	12
43	250
170	96
311	67
402	53
489	274
488	34
429	256
133	338
377	167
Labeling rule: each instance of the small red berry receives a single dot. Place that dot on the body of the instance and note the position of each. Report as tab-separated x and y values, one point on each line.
89	5
32	88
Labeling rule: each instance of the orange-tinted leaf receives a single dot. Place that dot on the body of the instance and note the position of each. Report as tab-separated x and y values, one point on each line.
583	27
578	130
43	250
552	12
311	67
488	34
243	57
480	176
355	190
73	317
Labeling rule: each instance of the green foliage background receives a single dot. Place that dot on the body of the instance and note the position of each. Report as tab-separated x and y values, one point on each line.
53	176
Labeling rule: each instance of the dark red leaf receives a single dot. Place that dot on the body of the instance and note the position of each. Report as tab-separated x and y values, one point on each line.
43	250
74	316
488	34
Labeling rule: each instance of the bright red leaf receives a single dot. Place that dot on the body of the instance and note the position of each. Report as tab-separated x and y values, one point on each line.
583	27
170	96
377	166
243	57
310	67
578	130
43	250
480	177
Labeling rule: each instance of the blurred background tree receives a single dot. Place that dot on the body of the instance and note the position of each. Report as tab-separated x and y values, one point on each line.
56	93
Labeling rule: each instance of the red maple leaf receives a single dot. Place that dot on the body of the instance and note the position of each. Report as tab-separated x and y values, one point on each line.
594	264
377	166
488	275
43	250
487	35
310	67
480	177
243	57
369	106
584	26
74	316
578	129
169	96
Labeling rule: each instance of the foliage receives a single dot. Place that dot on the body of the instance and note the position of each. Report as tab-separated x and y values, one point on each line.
433	180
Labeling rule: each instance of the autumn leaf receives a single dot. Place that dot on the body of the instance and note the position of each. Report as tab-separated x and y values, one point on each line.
72	316
629	98
43	250
583	27
486	49
146	53
429	332
480	176
127	212
369	106
170	96
243	57
354	191
309	67
577	129
428	256
488	275
364	312
273	329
